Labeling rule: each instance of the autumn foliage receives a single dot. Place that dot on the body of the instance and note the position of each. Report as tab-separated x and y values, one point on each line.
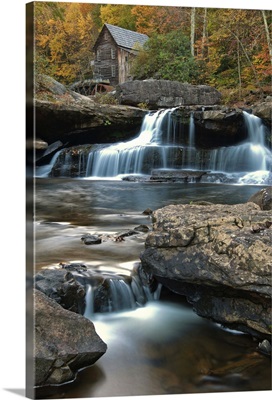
226	48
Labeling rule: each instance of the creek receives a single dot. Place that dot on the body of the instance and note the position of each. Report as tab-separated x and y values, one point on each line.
156	343
161	347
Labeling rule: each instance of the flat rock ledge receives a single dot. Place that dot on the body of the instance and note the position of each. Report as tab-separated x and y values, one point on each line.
219	257
64	342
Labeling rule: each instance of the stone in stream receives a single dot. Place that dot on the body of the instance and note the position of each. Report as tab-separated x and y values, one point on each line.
213	255
263	198
61	286
91	239
65	342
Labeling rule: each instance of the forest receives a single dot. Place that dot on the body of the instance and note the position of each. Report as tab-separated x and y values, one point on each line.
230	49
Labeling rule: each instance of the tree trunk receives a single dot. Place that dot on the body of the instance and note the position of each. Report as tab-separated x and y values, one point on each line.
269	43
248	59
193	11
204	34
239	69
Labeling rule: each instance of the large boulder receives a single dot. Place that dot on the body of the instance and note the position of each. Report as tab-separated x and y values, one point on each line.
263	198
219	256
64	342
162	93
264	110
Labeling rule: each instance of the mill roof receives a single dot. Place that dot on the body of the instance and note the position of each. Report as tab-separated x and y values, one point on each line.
125	37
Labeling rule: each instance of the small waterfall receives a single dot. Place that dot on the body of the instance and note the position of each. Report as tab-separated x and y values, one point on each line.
191	150
248	156
110	292
138	156
89	298
44	170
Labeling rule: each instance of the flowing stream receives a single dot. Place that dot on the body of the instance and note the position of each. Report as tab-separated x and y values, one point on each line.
156	343
161	346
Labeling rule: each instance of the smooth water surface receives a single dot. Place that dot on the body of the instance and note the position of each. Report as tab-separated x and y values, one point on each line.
164	347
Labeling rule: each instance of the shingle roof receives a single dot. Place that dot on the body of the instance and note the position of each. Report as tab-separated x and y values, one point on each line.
126	38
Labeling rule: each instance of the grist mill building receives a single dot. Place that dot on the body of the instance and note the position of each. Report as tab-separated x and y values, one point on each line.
114	49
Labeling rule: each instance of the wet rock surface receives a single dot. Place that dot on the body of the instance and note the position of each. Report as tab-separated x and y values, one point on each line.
213	256
176	175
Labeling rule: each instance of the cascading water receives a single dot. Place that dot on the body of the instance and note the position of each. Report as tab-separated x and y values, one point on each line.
157	147
191	149
44	170
151	149
162	145
108	292
251	155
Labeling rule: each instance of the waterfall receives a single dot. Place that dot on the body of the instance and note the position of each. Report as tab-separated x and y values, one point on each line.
111	292
191	150
151	149
248	156
89	298
45	170
164	144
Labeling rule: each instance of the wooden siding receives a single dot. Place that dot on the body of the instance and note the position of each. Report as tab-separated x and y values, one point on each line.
111	61
123	61
106	59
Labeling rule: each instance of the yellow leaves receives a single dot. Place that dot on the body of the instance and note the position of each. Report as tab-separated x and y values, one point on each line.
64	36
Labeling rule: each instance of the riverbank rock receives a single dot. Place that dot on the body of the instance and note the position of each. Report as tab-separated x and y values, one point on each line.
164	94
65	342
263	198
61	286
263	110
212	255
62	114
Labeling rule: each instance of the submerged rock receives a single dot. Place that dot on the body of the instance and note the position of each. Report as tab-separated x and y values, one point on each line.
91	239
65	342
210	254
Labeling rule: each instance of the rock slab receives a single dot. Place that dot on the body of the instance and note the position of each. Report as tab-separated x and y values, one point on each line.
163	93
64	342
219	257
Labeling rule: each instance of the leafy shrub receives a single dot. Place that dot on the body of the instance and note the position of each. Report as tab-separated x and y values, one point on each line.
105	98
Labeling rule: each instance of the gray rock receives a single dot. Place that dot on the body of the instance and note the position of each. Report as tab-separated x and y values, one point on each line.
174	175
264	110
65	342
61	286
210	254
91	239
62	114
263	198
163	93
